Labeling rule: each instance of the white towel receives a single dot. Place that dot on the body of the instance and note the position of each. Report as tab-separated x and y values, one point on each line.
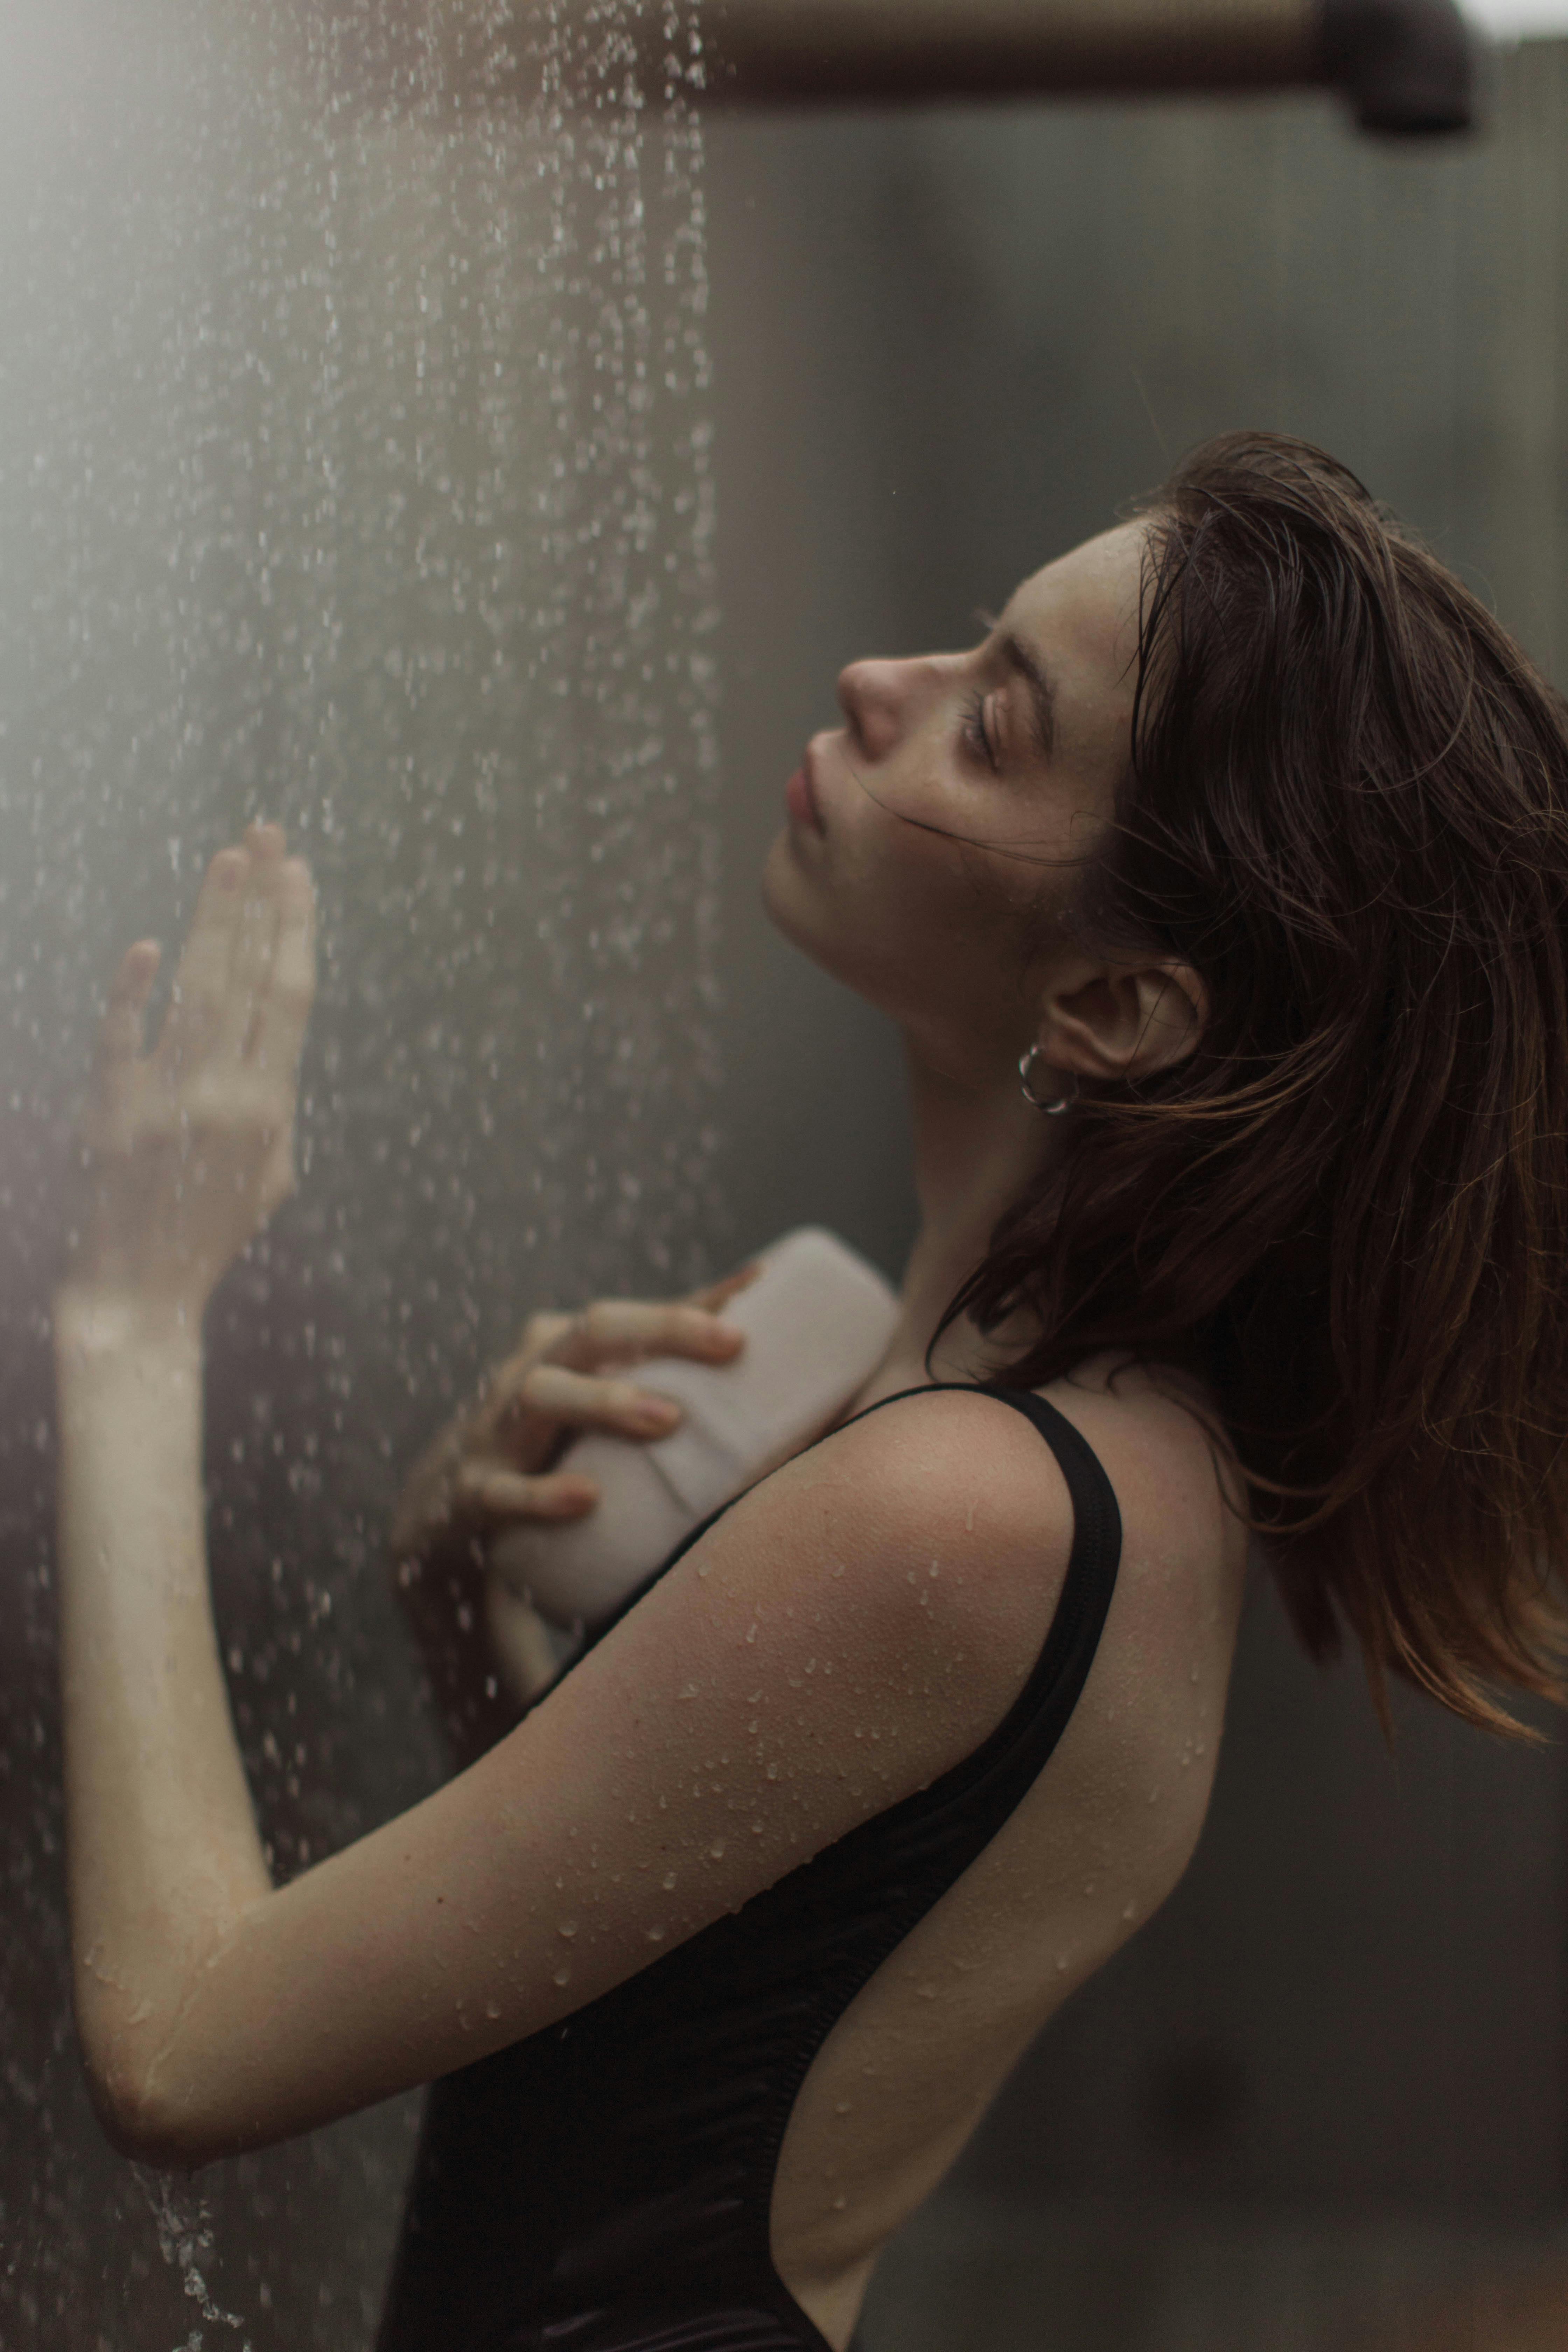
817	1321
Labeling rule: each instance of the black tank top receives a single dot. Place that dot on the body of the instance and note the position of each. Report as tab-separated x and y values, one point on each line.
605	2186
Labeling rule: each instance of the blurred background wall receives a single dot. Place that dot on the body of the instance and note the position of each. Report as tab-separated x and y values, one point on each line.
1330	2077
948	347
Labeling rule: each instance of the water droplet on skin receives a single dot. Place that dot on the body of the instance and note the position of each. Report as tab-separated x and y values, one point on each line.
839	2203
1130	1911
491	2012
667	1881
1061	1963
568	1928
1195	1674
752	1635
654	1935
689	1692
562	1976
716	1850
842	2109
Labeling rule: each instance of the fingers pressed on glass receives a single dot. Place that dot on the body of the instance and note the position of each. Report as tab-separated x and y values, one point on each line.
117	1055
201	982
283	1007
120	1031
255	943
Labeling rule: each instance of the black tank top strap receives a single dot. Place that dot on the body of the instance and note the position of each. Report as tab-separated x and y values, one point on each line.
1052	1691
1092	1565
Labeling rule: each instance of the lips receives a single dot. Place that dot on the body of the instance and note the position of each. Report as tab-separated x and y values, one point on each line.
800	797
803	796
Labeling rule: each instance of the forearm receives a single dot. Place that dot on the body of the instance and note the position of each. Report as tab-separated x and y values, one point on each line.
163	1850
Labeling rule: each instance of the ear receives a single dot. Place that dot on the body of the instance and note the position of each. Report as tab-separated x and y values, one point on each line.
1120	1020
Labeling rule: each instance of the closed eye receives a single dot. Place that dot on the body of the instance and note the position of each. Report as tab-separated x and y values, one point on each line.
976	734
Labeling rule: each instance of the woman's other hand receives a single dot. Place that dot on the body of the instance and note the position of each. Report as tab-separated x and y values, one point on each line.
494	1464
189	1149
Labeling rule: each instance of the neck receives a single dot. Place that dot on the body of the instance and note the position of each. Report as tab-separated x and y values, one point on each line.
976	1149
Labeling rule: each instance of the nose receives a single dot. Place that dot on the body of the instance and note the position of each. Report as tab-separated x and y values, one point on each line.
874	697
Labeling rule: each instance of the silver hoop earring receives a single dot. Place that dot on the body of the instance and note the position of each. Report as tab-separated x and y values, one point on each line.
1063	1102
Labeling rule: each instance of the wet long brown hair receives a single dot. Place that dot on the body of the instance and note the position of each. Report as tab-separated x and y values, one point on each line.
1347	808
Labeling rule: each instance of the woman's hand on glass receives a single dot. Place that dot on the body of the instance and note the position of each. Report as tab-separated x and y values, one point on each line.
188	1150
494	1463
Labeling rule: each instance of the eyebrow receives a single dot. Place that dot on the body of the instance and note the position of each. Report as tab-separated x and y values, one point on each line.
1042	693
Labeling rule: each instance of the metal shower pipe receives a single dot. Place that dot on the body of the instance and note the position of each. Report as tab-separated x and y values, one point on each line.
1404	66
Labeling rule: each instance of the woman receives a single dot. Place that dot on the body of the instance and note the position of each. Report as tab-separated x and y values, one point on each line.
1237	847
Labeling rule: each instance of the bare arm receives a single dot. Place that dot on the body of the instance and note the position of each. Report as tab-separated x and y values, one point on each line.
218	2014
158	1851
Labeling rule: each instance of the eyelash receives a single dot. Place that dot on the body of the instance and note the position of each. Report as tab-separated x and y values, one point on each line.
974	733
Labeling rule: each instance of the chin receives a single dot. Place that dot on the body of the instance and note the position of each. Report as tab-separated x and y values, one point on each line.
795	910
819	929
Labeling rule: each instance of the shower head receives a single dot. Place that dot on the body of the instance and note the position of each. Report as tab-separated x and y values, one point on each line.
1407	66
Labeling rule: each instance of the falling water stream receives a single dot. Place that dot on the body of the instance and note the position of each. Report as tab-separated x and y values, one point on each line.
354	471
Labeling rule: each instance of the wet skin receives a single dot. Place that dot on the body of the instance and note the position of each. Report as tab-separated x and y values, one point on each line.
952	809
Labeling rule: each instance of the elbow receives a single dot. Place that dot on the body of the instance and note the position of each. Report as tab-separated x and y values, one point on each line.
136	2115
137	2122
140	2125
132	2119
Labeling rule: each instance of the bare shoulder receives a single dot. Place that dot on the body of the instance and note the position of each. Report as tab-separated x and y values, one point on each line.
956	1489
944	1524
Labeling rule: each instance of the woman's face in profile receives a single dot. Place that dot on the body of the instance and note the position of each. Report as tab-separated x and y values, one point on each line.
922	835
